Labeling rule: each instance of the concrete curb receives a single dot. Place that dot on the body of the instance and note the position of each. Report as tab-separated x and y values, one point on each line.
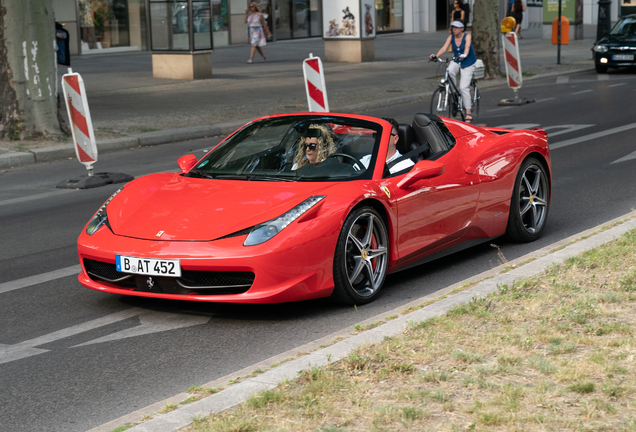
238	393
14	159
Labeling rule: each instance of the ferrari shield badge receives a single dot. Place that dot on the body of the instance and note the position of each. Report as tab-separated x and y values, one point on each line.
386	191
160	233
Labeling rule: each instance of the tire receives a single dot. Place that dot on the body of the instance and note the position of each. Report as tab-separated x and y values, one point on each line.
530	202
440	106
361	259
474	97
600	68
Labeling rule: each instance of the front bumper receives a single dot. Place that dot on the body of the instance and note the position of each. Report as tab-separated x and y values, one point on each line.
284	269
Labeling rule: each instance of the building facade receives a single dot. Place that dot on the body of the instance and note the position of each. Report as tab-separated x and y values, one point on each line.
118	25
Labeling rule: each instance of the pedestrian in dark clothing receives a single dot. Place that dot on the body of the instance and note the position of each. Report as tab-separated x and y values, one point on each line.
61	41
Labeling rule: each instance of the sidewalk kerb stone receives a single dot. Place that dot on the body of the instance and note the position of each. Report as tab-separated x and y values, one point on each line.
12	159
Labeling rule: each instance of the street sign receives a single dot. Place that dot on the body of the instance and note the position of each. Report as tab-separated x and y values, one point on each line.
80	118
315	84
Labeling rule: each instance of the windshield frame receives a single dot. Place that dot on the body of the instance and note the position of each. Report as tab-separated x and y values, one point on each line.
265	149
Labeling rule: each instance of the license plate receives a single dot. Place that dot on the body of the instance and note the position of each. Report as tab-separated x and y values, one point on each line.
148	266
623	57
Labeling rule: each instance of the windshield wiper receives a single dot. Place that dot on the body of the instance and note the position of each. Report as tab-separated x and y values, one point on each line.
253	177
199	174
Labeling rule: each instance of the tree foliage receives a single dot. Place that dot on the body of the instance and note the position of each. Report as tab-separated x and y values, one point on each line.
28	96
485	36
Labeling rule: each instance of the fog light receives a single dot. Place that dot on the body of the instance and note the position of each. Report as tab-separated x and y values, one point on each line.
603	60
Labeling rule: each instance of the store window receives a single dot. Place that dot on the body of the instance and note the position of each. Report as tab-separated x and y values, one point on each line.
103	24
170	24
220	23
296	18
389	15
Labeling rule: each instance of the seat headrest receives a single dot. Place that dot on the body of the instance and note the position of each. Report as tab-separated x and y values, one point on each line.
406	138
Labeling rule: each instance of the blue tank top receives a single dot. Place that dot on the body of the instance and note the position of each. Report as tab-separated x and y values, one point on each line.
470	59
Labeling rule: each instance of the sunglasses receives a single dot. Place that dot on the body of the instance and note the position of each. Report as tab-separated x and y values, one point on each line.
311	146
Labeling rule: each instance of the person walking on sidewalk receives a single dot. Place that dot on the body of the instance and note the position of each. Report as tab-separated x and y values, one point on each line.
517	10
463	50
255	25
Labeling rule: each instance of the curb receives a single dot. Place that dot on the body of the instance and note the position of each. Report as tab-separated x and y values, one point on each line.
14	159
529	265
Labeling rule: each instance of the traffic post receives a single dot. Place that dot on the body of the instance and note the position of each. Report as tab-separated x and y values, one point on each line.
315	84
513	69
83	136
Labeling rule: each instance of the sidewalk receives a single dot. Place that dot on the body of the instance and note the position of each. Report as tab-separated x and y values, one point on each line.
129	107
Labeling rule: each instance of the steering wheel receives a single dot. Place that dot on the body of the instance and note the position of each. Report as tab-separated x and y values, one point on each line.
355	160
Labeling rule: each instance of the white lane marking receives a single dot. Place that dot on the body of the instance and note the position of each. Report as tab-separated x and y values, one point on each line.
519	126
616	85
626	158
500	109
562	79
596	135
566	129
546	99
35	197
41	278
602	77
151	322
581	92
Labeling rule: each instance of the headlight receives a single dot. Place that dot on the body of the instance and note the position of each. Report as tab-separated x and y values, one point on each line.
100	217
265	231
601	48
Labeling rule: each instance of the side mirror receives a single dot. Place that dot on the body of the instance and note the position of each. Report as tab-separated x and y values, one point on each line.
422	170
187	162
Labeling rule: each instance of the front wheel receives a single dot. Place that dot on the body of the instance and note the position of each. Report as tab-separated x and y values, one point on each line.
361	259
440	103
600	68
530	202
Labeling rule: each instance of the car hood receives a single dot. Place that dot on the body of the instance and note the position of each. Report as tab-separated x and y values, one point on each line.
174	207
629	40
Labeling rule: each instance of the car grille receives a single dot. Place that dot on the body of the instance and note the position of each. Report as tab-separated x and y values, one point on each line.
190	282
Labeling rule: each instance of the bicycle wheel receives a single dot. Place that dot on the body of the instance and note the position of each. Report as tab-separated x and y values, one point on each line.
439	102
474	97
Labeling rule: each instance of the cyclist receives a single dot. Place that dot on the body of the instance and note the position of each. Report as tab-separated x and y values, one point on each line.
463	50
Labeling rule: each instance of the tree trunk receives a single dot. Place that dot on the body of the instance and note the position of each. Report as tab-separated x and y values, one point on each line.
28	99
485	36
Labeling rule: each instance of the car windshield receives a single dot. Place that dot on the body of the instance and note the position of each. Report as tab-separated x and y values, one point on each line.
625	27
295	148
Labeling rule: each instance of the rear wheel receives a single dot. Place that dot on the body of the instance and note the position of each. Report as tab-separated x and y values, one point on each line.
474	97
440	103
530	202
361	259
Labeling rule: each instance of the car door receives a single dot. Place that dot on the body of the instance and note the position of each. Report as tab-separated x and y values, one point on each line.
434	211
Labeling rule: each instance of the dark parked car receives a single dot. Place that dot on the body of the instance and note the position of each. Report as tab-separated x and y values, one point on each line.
619	48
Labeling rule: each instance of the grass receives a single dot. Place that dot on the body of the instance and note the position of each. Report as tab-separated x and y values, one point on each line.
554	352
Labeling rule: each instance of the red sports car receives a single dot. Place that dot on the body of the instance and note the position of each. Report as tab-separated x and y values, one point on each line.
301	206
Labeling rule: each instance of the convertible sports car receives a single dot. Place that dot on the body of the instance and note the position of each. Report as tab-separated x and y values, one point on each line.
255	221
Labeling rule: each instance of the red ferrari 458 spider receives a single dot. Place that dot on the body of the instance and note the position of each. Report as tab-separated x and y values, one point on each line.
301	206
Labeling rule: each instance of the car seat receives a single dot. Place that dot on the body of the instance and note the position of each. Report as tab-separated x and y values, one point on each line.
407	142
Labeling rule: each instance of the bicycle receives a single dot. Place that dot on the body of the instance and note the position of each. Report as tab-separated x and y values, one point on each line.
440	103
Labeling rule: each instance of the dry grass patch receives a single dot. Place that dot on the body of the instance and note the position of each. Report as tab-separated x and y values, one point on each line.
555	352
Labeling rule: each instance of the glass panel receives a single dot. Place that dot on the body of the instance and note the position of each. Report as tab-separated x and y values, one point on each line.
221	18
104	24
314	18
282	17
301	18
169	25
389	14
201	23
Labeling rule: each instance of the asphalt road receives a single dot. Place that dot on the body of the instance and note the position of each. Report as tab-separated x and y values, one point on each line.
72	359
